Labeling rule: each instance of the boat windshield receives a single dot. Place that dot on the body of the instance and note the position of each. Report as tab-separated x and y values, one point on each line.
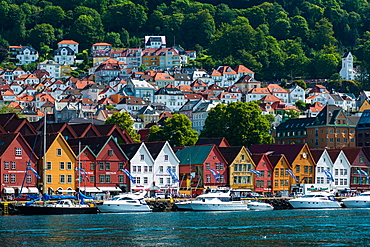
116	198
365	194
308	196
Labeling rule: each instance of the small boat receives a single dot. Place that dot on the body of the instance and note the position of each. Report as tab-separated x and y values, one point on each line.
128	202
218	201
256	205
360	201
65	206
315	200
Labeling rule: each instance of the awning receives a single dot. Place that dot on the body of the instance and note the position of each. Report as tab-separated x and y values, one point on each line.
9	191
33	190
91	189
110	189
23	191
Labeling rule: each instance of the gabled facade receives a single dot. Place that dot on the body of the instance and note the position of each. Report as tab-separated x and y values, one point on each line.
341	170
263	182
195	165
282	181
358	161
324	161
15	156
239	162
164	159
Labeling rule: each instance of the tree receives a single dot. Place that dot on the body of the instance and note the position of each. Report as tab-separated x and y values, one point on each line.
124	122
291	114
240	122
4	108
176	130
3	54
301	105
42	33
53	15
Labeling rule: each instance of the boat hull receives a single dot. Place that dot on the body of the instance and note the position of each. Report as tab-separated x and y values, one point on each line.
260	206
314	204
45	210
356	203
122	208
183	206
219	207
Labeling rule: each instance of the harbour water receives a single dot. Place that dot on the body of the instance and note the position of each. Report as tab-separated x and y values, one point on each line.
339	227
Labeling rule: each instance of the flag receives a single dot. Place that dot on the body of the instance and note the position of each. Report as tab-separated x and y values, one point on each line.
215	173
192	174
292	174
173	175
365	173
329	175
82	171
258	173
128	175
34	172
360	173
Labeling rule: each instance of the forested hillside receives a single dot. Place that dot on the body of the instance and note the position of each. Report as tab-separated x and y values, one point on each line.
277	39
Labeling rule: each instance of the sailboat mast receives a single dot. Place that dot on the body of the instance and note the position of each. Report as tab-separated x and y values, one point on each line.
79	165
44	177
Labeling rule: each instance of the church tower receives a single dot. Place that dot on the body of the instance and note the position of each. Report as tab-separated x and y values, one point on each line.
347	72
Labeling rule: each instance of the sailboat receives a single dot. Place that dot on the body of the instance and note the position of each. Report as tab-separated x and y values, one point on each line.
62	205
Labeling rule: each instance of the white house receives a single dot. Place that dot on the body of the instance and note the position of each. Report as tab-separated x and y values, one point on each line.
64	55
296	93
346	71
341	169
323	163
173	98
70	44
164	160
27	55
50	66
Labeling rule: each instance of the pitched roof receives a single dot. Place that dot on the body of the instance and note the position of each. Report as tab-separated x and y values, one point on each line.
230	153
5	141
155	148
130	149
333	153
317	153
215	141
351	153
194	154
95	143
290	151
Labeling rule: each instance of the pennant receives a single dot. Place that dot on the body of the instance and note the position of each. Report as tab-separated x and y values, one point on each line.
329	175
128	175
258	173
365	173
83	172
292	174
34	172
216	174
173	175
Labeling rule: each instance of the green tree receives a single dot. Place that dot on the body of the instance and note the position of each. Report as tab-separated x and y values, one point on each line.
240	122
86	30
291	114
176	130
53	15
42	33
124	122
113	39
5	108
300	105
3	54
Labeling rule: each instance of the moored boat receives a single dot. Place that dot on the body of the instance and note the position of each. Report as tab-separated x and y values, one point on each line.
360	201
256	205
218	201
64	206
315	200
124	203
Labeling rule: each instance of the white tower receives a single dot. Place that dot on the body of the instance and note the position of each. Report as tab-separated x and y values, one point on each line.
347	72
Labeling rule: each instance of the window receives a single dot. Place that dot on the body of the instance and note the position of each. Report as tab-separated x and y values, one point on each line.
150	168
138	168
161	180
69	179
107	166
107	178
208	166
269	174
101	166
168	181
14	165
6	165
69	165
298	168
110	152
92	166
101	178
161	169
6	178
92	178
59	152
361	159
242	157
133	168
18	151
48	165
61	166
29	178
142	157
277	172
120	165
48	179
208	178
166	157
61	179
121	179
145	169
145	180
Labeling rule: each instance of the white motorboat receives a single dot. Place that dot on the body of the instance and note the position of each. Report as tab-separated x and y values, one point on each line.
315	200
256	205
217	201
360	201
184	205
128	202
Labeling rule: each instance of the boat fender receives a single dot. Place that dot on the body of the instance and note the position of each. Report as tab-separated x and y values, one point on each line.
162	206
157	204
